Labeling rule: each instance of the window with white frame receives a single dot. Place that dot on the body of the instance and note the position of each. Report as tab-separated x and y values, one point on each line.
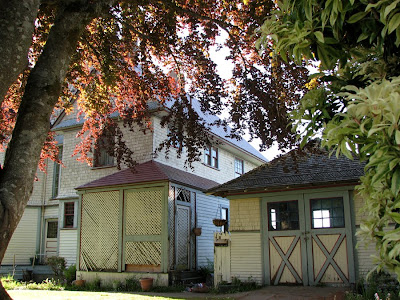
103	154
57	174
239	167
211	156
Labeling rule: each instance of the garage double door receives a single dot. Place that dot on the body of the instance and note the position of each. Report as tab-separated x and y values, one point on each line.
308	239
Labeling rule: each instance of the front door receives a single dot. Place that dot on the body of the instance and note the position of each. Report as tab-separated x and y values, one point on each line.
51	239
309	239
182	237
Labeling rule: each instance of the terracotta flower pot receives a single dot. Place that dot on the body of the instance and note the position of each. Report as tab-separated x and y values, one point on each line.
80	282
146	284
197	231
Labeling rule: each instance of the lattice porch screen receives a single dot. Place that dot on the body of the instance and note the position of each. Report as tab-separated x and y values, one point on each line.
143	217
99	231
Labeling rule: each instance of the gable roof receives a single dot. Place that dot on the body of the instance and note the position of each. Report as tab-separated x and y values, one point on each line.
283	173
151	171
218	131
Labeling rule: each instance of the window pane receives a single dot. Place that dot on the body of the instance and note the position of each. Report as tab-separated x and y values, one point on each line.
52	229
327	213
69	212
283	215
239	169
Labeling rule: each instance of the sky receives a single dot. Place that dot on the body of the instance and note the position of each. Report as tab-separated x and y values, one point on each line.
224	68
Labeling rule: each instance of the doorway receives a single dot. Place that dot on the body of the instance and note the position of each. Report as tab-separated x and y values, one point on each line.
308	238
183	248
51	240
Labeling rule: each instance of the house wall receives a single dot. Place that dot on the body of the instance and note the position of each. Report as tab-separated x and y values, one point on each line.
246	241
24	242
246	253
226	158
208	208
364	252
75	173
68	245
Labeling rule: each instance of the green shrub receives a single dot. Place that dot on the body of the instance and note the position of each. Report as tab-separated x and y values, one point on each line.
132	284
57	264
70	274
383	284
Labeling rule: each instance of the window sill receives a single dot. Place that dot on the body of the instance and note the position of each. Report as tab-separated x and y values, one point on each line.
103	167
68	228
217	169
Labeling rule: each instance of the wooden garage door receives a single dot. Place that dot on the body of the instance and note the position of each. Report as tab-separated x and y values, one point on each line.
309	239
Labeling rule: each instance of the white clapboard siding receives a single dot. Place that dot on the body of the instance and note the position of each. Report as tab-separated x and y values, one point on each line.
51	211
246	256
67	247
208	208
24	240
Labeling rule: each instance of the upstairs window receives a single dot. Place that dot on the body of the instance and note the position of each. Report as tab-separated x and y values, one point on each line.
103	154
69	214
211	156
57	174
239	167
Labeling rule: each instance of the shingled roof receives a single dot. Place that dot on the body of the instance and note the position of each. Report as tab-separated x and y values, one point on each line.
283	173
151	171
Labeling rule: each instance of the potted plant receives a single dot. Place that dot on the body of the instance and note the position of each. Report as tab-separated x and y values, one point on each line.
146	284
219	222
197	231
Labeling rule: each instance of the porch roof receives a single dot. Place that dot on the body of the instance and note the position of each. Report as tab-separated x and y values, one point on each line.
312	169
151	171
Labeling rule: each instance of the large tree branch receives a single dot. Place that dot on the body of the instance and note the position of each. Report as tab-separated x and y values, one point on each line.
17	18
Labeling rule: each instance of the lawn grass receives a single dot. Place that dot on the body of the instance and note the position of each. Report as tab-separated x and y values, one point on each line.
81	295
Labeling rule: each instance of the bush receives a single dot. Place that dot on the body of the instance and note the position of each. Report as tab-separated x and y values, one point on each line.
382	284
132	284
70	274
57	264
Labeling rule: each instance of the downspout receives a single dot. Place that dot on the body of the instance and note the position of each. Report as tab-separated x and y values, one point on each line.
42	208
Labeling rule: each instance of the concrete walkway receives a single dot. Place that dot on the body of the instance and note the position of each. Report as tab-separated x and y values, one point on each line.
294	293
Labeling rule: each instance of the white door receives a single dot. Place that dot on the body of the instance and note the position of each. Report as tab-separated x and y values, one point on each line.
182	237
51	239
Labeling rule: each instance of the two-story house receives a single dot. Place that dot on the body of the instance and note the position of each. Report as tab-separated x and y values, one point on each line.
110	222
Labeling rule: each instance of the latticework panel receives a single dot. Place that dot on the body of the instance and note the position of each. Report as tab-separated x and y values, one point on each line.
143	212
99	231
143	253
171	226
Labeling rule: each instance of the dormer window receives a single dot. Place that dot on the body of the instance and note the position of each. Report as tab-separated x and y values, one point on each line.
211	156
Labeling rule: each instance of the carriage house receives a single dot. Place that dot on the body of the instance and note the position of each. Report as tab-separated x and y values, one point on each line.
111	223
296	221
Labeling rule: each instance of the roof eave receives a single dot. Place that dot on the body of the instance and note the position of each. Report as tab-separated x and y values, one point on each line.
285	188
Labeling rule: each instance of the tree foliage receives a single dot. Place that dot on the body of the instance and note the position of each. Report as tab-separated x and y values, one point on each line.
114	58
355	98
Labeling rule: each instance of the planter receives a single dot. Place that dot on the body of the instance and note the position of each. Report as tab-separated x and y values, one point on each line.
197	231
146	284
219	222
80	282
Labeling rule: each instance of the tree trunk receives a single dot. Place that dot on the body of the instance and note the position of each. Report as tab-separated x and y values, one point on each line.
41	94
17	18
